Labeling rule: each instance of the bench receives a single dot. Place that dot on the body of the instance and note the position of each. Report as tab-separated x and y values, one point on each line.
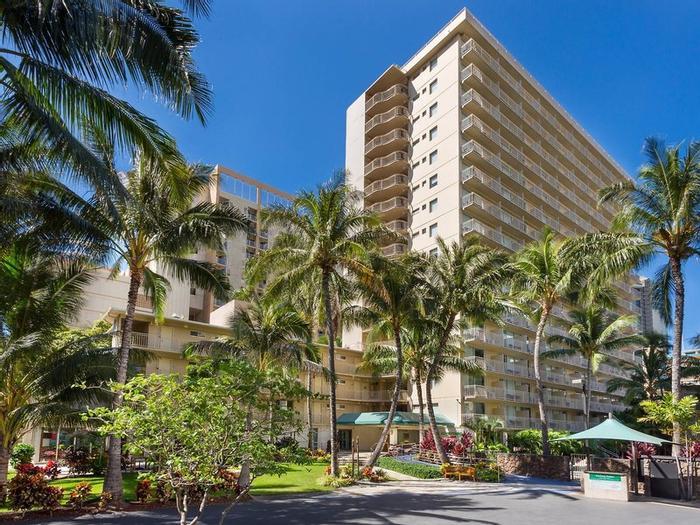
459	472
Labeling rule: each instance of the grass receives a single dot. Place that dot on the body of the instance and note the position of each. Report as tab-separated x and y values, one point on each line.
417	470
298	479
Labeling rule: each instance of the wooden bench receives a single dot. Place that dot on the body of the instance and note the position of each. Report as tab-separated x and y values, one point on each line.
459	471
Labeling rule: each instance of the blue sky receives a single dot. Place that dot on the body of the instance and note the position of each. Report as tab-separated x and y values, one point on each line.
283	73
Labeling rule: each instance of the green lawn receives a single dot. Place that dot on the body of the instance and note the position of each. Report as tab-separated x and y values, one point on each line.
297	479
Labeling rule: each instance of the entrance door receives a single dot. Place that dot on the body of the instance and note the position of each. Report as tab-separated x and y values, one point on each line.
345	439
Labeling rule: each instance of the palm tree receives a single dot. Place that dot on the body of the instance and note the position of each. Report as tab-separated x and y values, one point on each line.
390	297
59	59
465	282
149	224
41	369
327	241
542	277
660	211
593	334
268	334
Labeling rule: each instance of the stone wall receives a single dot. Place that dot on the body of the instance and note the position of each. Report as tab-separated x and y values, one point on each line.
551	467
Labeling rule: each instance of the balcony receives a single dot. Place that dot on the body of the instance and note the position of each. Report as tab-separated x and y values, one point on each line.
499	394
384	144
396	184
394	249
143	340
394	208
393	163
381	101
398	226
144	302
397	117
496	339
498	238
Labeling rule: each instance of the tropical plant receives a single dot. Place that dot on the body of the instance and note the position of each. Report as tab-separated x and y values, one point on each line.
328	236
465	288
21	453
659	213
487	430
60	58
389	297
593	334
44	376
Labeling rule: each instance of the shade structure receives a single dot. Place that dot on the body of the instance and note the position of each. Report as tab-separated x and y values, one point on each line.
379	418
611	429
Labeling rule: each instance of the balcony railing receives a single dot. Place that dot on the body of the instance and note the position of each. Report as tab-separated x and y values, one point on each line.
388	205
387	138
394	249
391	181
388	160
142	301
398	226
143	340
474	226
397	112
394	91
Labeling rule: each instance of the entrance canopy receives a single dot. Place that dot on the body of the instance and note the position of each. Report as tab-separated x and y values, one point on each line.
379	418
612	429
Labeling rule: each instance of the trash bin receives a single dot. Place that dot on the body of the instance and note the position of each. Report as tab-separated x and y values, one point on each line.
665	480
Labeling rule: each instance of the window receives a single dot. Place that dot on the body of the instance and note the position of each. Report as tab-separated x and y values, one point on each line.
433	109
416	187
193	291
433	252
433	86
432	206
433	133
432	230
433	181
433	157
433	64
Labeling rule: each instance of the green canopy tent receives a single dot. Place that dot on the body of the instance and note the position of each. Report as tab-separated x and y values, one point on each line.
612	430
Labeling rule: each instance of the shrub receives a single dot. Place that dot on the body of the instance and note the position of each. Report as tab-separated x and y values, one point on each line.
51	470
491	447
417	470
642	449
29	469
530	442
79	495
105	500
26	492
287	442
335	482
451	444
694	450
79	461
143	490
488	472
21	453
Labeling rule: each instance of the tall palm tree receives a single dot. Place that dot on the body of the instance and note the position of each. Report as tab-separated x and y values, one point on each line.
150	224
661	212
389	298
593	334
268	334
465	287
40	368
327	241
59	59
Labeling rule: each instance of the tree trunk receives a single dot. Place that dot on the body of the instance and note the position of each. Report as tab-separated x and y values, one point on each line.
587	394
326	293
421	408
113	475
432	371
540	391
309	411
678	307
244	476
4	467
394	401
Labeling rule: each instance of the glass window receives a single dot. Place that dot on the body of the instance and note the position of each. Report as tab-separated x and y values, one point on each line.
432	230
433	133
433	109
433	86
433	181
433	252
432	206
433	157
433	64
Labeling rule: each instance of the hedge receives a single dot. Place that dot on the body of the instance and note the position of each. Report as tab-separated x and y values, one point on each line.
417	470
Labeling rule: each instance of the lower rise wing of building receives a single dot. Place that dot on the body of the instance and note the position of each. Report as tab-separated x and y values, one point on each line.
462	140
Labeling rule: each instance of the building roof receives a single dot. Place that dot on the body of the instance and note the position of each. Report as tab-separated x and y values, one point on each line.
379	418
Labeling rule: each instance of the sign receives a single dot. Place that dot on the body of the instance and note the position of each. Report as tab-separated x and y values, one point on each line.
606	481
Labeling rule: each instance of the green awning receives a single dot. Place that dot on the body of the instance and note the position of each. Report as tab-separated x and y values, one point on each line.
612	429
379	418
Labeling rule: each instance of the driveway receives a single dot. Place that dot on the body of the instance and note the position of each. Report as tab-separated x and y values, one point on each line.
422	503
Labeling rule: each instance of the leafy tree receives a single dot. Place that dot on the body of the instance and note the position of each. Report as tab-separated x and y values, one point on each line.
465	287
60	58
327	241
593	334
197	430
45	372
659	214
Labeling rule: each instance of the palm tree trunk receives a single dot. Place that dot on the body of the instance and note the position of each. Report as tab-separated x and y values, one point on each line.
587	394
326	293
309	414
421	408
4	468
113	475
394	401
540	390
432	371
244	476
678	307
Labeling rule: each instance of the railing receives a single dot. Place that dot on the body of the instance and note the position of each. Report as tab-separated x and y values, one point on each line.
394	249
394	135
143	340
398	89
475	226
143	301
393	180
393	113
392	158
393	203
397	226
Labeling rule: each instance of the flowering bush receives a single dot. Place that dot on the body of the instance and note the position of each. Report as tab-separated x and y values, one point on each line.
373	475
105	500
51	470
451	444
694	450
79	460
641	449
143	490
29	469
27	491
79	495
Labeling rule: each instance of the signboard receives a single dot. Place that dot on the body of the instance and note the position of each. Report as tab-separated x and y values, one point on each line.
607	481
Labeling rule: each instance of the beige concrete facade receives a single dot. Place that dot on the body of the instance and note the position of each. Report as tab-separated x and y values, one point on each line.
462	140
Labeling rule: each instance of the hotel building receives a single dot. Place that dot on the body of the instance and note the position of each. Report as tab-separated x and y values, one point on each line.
462	140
